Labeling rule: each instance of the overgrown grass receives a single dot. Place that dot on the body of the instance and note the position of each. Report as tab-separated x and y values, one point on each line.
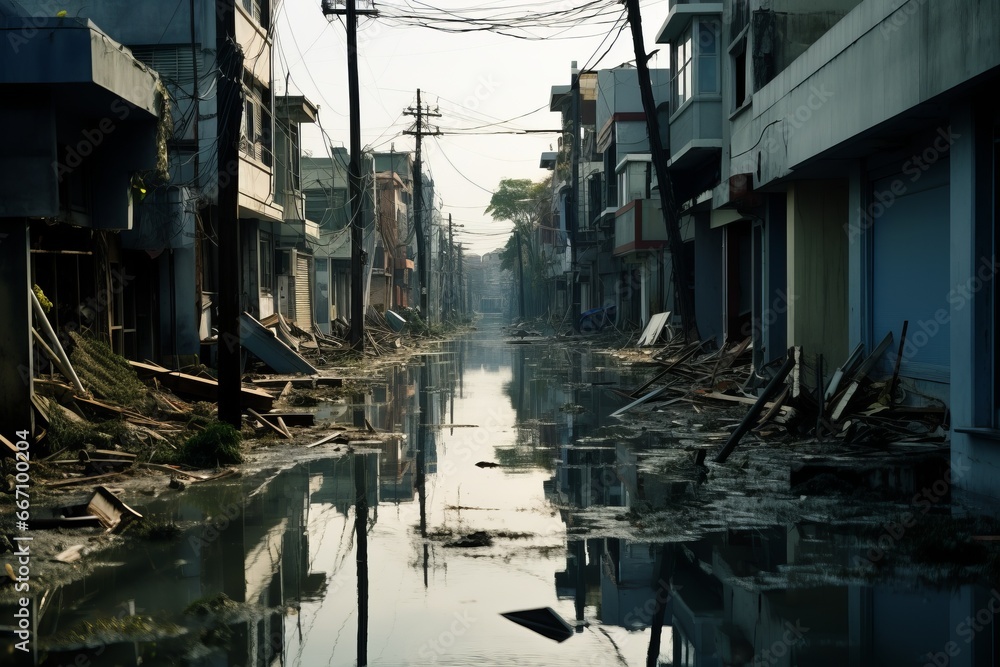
218	445
105	373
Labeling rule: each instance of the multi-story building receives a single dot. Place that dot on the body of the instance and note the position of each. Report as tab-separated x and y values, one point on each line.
839	159
87	132
178	222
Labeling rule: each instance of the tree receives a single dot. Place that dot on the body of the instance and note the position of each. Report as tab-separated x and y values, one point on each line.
524	203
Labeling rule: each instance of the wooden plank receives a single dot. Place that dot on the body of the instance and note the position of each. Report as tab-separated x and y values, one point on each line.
205	389
862	371
325	439
284	427
305	419
685	354
79	480
838	375
890	387
7	447
281	381
271	425
639	401
770	390
773	408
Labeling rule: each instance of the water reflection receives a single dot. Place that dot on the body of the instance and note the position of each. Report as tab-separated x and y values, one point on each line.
407	554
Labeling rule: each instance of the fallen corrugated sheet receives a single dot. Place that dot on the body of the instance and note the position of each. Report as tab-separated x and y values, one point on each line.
263	343
651	334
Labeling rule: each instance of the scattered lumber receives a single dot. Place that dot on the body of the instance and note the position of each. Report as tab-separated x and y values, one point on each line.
204	389
772	388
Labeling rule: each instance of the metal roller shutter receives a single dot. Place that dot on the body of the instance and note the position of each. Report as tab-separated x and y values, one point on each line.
303	292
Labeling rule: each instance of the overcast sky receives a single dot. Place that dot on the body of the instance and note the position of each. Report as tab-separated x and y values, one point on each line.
474	78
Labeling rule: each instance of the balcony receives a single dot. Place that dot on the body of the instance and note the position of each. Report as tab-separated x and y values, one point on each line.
639	227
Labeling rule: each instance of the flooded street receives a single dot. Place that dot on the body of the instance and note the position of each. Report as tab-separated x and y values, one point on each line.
508	487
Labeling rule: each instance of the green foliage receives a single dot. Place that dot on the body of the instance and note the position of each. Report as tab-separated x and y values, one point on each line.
520	201
70	435
43	300
219	444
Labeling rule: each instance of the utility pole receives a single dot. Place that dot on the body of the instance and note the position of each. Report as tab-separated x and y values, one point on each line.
574	205
423	257
463	297
227	219
356	337
679	266
451	268
520	273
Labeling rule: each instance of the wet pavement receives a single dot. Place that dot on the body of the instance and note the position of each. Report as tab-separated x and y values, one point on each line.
409	553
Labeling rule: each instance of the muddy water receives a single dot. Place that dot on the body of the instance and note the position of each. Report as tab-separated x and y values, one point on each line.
409	553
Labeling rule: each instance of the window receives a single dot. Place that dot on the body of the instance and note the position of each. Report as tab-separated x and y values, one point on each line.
266	260
738	54
682	70
255	126
708	57
259	10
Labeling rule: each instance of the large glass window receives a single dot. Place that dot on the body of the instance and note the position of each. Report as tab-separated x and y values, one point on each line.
683	75
708	57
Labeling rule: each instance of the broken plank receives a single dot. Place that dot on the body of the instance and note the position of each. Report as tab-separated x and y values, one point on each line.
284	427
205	389
171	470
325	439
863	370
71	555
7	447
292	418
271	425
79	480
775	406
281	381
639	401
684	355
770	390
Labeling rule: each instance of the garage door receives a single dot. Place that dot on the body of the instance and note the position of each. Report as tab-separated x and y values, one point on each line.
303	292
910	256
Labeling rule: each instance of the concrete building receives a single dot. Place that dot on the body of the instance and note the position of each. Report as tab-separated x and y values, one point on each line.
87	126
834	200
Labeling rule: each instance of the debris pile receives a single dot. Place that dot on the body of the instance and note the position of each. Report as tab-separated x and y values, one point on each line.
797	394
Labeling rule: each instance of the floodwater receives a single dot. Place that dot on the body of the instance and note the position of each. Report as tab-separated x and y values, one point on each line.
409	553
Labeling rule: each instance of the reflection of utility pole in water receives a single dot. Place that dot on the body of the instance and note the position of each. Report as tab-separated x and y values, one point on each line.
422	460
659	612
361	541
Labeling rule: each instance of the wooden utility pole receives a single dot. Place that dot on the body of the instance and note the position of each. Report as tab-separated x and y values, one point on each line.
356	337
679	268
520	273
227	219
423	257
574	205
451	269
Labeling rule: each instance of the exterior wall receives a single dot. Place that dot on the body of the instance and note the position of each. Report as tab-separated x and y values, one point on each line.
813	105
817	268
708	305
975	449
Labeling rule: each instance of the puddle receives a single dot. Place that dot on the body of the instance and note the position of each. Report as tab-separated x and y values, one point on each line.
410	554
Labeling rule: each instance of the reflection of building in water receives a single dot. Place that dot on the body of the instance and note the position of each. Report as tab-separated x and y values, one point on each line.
772	597
249	541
